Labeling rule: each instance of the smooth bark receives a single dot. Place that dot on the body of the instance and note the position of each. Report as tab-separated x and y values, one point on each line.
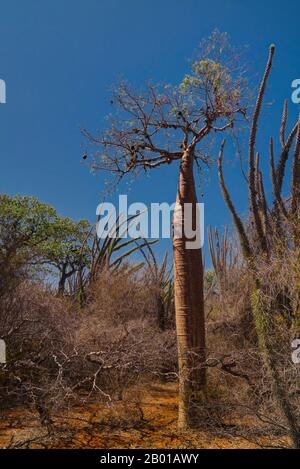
188	283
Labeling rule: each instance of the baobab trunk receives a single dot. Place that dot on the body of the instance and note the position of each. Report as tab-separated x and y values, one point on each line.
189	303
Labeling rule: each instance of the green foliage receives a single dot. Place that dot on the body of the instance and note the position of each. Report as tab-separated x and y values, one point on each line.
66	243
215	81
24	220
32	233
209	278
34	238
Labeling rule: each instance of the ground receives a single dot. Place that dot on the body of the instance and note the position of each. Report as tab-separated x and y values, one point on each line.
149	420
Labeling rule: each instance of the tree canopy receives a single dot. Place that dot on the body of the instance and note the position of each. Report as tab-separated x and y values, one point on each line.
155	126
32	235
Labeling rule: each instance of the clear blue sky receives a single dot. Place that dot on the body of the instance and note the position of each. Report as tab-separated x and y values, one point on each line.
59	58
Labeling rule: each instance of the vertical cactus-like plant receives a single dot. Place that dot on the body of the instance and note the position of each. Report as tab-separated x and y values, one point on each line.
266	225
224	258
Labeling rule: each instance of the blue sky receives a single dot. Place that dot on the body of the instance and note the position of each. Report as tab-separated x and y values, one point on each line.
59	58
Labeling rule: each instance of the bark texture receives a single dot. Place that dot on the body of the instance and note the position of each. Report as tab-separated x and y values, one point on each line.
188	284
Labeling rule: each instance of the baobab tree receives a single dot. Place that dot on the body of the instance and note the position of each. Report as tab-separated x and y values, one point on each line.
164	125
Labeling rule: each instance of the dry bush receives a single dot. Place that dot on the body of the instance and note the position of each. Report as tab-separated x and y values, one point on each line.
59	356
280	276
121	296
240	397
34	325
120	332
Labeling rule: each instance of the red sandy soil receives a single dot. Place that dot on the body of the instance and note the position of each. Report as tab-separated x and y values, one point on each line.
149	422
